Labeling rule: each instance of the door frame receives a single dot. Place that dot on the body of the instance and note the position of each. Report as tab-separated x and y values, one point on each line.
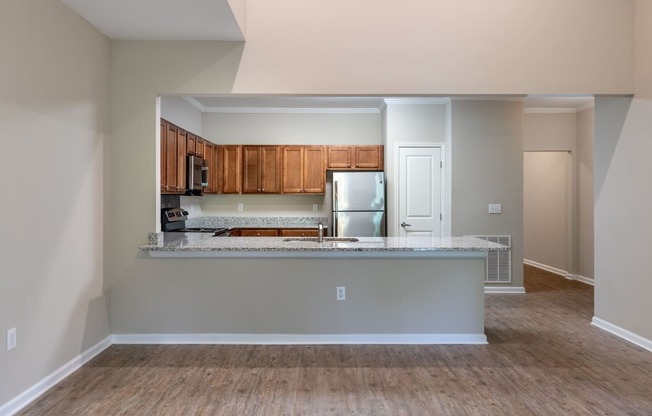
445	185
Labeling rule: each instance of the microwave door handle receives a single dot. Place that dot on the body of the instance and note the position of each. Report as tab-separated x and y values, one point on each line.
204	176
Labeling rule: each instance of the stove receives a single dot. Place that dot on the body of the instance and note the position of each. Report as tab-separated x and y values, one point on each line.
174	220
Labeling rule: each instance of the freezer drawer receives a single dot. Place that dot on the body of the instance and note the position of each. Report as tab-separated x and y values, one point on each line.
359	224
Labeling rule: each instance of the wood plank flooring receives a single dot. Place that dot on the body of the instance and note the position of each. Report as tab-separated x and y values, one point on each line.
544	358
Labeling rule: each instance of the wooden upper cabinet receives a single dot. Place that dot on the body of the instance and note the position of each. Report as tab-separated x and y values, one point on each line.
231	169
163	156
369	157
355	157
200	147
261	169
211	160
304	170
173	162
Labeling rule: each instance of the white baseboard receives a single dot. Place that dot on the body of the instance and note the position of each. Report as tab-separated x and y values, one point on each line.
583	279
504	289
560	272
622	333
17	403
299	339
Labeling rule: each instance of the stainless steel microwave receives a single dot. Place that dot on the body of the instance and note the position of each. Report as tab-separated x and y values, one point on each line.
196	176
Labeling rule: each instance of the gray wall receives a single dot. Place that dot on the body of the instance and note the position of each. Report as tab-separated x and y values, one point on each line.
585	168
54	96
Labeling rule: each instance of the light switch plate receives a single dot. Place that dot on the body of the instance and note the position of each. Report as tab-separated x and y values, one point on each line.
495	208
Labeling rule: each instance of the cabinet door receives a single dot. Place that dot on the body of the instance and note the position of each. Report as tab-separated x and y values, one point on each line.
251	167
314	170
292	170
182	136
200	146
209	155
295	232
171	159
369	157
262	232
270	169
163	157
191	141
339	157
232	170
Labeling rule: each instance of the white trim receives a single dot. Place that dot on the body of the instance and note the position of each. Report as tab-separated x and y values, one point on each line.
583	279
417	101
14	405
490	98
511	290
299	339
445	185
560	272
563	110
622	333
281	110
584	107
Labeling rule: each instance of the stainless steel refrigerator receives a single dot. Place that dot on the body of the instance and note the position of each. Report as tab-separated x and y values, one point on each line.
359	204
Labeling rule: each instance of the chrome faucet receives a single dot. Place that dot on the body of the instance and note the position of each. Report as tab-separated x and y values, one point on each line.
320	233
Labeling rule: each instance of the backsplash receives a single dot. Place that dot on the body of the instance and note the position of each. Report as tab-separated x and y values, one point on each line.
256	205
256	222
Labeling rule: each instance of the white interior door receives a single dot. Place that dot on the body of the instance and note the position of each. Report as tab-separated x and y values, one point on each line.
419	191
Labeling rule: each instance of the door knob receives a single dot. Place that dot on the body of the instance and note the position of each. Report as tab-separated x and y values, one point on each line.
404	224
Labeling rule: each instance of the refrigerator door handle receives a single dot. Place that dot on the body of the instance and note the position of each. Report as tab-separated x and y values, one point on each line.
335	196
335	224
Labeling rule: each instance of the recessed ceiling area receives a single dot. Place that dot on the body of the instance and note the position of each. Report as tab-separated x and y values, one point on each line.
163	19
364	104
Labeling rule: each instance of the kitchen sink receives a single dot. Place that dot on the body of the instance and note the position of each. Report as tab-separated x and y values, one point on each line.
326	239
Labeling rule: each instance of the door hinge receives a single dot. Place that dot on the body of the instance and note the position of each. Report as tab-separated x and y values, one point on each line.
441	217
441	165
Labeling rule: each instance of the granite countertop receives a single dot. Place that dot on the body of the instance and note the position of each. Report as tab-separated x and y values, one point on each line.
205	245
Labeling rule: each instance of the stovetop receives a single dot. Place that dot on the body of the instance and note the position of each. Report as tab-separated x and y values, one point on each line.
216	231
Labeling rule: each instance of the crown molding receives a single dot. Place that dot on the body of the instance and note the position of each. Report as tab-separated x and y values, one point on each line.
280	110
588	106
490	98
550	110
417	101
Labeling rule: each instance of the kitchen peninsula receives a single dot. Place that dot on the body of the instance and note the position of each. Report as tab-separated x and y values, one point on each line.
397	290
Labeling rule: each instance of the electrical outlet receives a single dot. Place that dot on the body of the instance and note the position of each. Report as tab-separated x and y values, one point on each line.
315	207
240	206
11	339
495	208
341	292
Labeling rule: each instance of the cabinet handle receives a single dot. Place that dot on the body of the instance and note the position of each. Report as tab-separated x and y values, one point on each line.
348	165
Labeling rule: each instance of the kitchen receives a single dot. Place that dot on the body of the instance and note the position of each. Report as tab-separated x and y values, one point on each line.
76	95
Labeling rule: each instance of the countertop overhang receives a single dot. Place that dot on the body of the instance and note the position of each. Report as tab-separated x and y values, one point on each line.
197	245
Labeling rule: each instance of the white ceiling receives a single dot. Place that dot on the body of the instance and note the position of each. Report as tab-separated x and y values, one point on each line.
161	19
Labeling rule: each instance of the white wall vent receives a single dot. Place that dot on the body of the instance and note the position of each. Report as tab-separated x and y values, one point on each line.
498	264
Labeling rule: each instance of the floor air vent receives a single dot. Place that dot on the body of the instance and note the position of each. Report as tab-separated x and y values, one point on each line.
498	265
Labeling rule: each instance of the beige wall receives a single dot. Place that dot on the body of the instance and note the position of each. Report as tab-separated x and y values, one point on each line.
622	203
573	133
585	230
547	209
54	94
437	47
179	112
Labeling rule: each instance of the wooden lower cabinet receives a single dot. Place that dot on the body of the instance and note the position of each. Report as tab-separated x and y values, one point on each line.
257	232
299	232
274	232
